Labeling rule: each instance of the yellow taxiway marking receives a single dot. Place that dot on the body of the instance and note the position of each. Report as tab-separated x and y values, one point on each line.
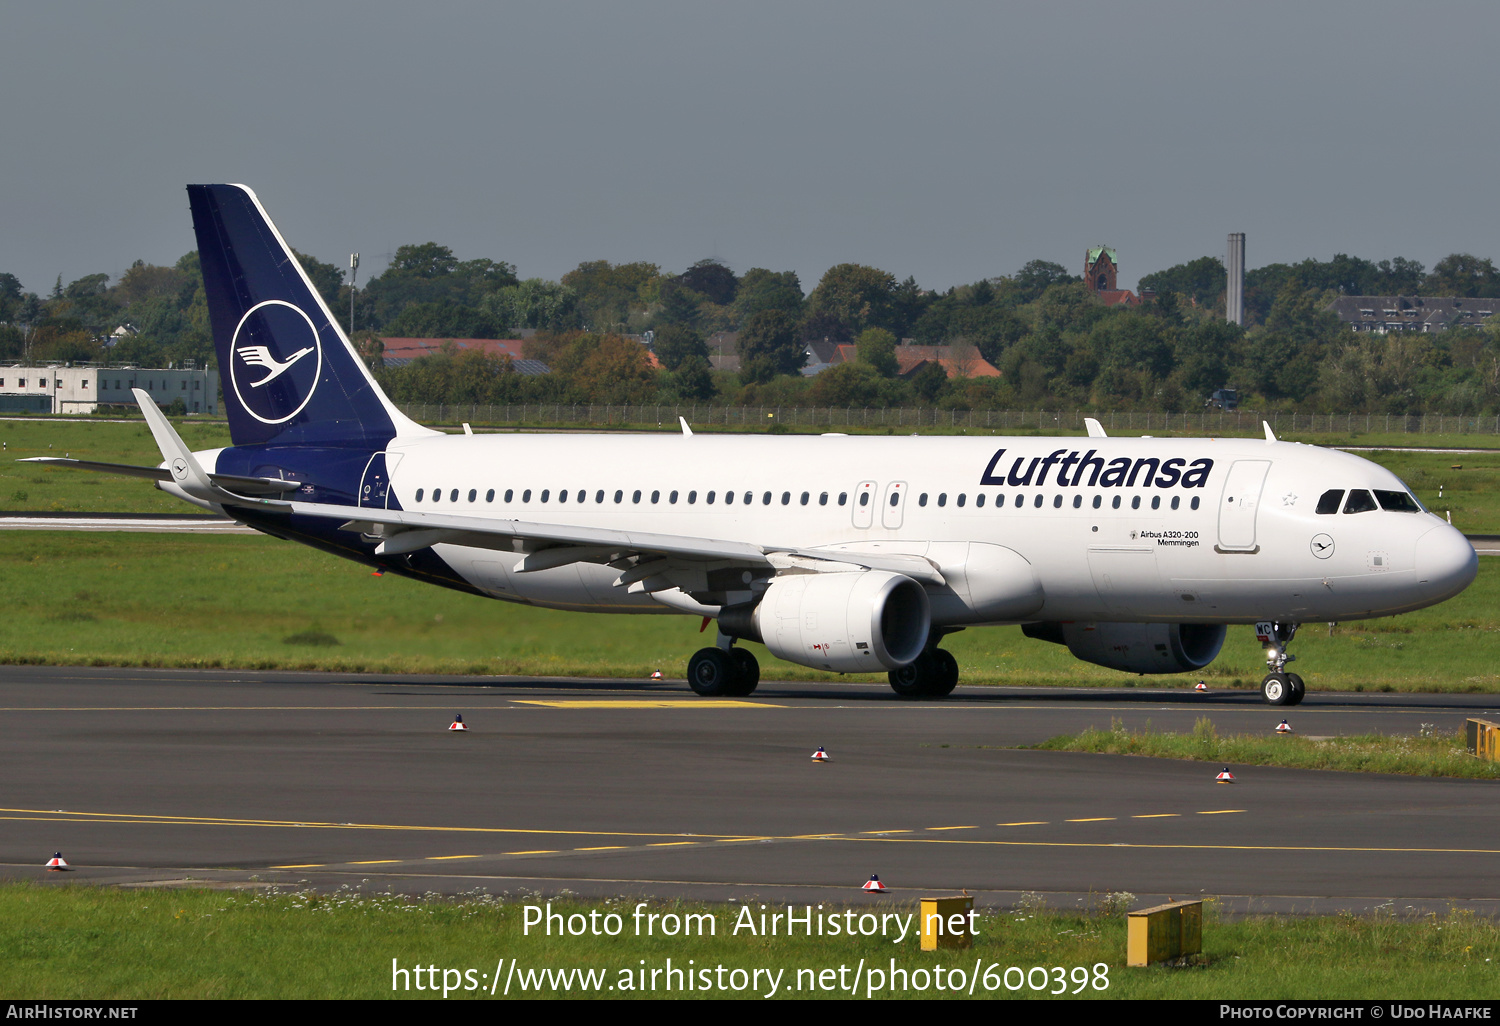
886	831
54	816
309	865
376	862
604	847
549	851
233	708
1156	815
444	858
954	828
669	844
643	703
63	816
1091	819
1033	822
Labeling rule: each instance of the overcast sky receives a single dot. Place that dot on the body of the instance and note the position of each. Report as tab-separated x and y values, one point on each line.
948	141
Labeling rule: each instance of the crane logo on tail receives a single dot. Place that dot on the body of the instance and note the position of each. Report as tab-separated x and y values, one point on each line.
260	356
271	376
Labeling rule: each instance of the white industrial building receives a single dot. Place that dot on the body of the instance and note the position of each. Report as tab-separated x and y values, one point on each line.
82	388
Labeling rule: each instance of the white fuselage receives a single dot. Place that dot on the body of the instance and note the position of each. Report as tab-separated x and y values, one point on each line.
1242	542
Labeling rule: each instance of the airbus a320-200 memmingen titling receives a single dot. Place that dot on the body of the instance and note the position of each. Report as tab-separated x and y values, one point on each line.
839	553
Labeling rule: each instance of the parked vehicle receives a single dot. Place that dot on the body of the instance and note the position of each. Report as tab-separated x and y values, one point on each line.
1223	399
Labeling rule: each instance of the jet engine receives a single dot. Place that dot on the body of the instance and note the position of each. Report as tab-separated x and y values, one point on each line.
1136	647
856	622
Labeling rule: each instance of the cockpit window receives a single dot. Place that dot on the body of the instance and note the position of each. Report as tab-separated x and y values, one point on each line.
1398	502
1360	501
1330	500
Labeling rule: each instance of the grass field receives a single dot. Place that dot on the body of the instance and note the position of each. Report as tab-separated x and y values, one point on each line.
1437	753
254	602
1472	493
82	942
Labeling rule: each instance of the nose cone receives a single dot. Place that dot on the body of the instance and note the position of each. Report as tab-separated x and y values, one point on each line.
1446	563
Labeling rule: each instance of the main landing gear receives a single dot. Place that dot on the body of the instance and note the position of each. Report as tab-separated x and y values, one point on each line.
1279	687
932	674
724	671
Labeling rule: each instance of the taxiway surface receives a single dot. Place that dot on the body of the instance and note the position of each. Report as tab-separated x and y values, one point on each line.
631	787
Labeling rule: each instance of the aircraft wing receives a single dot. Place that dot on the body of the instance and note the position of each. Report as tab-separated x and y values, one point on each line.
641	555
408	530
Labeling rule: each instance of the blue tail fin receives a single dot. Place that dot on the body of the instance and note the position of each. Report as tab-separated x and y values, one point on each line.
290	375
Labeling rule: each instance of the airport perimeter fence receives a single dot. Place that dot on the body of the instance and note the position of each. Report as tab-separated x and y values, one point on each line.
1204	422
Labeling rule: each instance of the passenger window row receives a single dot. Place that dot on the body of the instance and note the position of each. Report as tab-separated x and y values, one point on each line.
581	495
1039	500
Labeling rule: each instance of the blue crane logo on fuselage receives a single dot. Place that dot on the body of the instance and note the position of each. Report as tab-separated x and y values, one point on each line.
268	365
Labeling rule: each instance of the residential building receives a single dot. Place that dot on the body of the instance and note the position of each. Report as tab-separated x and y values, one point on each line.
1383	314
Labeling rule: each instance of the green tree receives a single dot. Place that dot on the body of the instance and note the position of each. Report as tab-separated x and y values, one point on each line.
608	293
850	298
1460	274
679	304
1037	276
675	344
772	340
877	350
533	303
712	280
692	379
848	384
930	382
430	274
761	290
1202	281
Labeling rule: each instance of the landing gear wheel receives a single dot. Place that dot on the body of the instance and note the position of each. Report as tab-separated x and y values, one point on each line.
910	681
712	672
1299	689
747	672
932	674
946	678
1277	689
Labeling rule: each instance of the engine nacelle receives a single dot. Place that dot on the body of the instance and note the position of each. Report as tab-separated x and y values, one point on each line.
1136	647
860	622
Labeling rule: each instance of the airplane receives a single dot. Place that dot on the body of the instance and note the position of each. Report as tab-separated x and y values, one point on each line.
847	554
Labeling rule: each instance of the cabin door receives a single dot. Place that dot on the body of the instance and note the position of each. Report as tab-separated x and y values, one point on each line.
1239	503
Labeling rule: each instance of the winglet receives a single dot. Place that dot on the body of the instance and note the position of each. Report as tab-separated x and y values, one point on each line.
1096	429
1270	435
184	466
687	431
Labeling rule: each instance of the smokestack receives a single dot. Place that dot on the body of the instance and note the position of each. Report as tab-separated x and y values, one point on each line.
1234	296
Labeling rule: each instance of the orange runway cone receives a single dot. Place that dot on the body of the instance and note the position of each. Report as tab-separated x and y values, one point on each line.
56	864
874	884
656	675
1283	727
1200	686
1225	777
820	755
458	722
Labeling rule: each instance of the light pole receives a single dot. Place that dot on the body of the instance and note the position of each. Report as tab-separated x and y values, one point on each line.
353	276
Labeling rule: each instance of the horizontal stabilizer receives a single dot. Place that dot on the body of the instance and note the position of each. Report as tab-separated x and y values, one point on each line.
154	473
231	482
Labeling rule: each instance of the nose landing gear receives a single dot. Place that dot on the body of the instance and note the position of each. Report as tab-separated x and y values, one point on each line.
1279	687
